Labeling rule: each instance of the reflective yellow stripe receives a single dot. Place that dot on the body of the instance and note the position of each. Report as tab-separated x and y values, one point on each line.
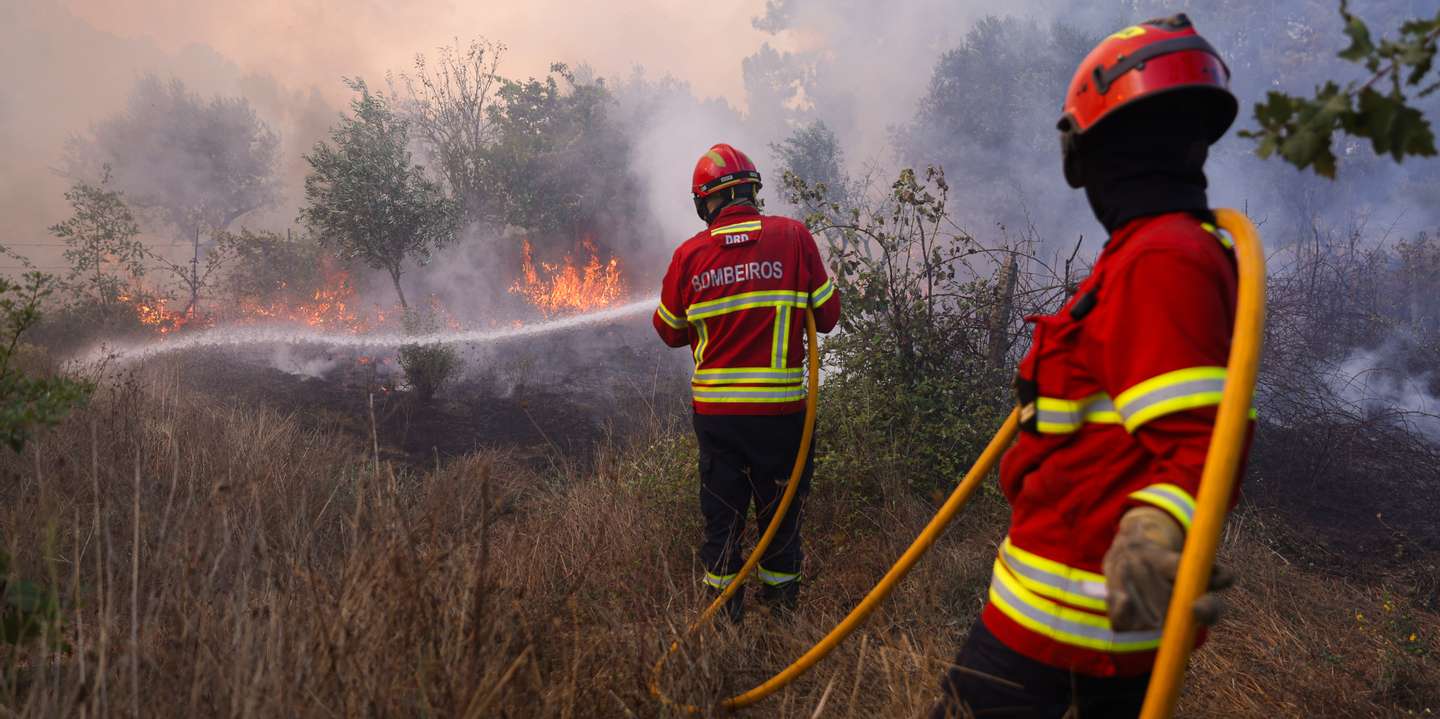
1052	579
780	338
669	318
1171	498
822	293
704	333
754	395
776	579
1221	236
1063	416
749	375
720	581
736	228
746	301
1169	393
1063	624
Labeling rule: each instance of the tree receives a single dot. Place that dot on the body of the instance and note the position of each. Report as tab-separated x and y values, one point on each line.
367	201
449	107
1302	130
555	152
200	165
28	402
813	153
100	241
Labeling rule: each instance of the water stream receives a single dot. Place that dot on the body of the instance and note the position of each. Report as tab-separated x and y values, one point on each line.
289	335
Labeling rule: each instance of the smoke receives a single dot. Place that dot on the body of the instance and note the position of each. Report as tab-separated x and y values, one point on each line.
1375	384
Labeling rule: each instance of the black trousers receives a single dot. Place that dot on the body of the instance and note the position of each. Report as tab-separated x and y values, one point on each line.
1022	687
747	460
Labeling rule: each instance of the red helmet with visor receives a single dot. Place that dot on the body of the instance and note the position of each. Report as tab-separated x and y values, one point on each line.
1142	61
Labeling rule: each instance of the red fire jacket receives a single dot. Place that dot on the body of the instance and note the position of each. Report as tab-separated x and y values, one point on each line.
1117	399
734	292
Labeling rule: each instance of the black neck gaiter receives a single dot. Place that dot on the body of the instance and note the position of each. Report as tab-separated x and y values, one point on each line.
1141	171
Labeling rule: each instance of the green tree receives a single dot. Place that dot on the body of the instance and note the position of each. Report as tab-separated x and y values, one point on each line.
100	242
813	153
28	402
1301	130
555	150
367	201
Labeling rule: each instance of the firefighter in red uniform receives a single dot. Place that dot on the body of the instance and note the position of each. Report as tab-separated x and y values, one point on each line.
1117	396
736	293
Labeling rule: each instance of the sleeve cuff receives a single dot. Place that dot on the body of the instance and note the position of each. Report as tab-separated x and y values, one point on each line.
822	293
1176	502
669	318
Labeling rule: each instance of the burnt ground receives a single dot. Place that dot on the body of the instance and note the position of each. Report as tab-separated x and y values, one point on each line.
1355	500
538	397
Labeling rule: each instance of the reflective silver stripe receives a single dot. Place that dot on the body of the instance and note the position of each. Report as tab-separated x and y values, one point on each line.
713	393
743	376
1017	565
719	581
1135	406
780	343
775	579
822	293
1076	415
1065	626
709	310
1171	498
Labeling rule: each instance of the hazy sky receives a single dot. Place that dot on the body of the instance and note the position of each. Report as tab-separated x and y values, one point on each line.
317	41
65	64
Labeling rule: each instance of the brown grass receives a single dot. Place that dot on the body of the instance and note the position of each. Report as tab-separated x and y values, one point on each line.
282	571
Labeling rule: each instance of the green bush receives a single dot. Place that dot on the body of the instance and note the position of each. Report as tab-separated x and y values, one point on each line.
427	366
917	378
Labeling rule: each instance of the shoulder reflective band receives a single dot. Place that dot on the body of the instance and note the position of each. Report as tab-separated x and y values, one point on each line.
1104	77
1171	498
1170	392
736	228
1222	237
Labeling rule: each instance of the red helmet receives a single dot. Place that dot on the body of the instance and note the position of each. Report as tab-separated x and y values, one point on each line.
1143	61
721	167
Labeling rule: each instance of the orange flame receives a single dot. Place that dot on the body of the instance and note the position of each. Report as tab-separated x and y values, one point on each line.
153	311
566	288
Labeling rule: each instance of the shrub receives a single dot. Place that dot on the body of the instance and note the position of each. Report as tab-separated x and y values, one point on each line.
427	366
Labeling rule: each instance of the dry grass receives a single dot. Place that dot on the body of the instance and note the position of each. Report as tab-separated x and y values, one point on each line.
223	561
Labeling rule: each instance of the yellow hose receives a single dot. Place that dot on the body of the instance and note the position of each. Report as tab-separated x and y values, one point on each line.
791	489
1217	483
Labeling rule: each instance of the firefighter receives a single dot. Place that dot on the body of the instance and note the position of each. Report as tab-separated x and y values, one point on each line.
736	293
1117	396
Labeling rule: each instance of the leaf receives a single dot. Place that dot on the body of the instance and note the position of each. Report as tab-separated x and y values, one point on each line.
1361	46
1392	126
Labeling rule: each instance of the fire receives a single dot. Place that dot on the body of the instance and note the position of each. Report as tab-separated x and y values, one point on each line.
334	306
154	311
331	307
557	289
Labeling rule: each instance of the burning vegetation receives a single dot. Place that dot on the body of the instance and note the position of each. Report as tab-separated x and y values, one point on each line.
567	288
